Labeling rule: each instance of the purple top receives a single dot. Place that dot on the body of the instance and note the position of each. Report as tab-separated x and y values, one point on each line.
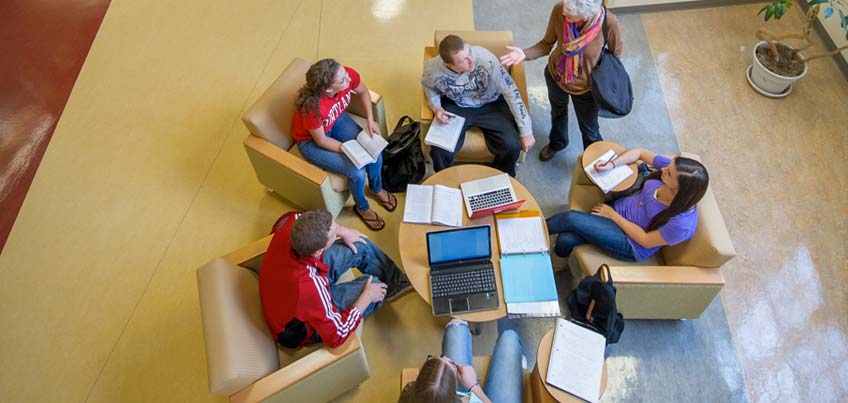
642	207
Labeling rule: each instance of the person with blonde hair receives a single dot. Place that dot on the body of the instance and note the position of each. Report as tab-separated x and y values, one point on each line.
450	378
575	27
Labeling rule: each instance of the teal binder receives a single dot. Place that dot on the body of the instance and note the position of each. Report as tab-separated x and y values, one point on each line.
528	278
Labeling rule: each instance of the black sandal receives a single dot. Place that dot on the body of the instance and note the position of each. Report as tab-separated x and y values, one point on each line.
369	222
391	204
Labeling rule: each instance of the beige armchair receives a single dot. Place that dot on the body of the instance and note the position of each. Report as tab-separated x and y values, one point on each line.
277	160
242	357
474	148
481	367
679	281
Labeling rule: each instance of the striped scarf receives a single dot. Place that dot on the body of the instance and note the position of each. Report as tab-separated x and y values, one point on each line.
574	41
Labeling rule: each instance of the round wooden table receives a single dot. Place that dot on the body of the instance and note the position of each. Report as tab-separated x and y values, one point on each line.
597	149
412	238
540	373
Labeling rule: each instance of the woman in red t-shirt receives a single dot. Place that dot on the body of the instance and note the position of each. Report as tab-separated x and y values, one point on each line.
321	125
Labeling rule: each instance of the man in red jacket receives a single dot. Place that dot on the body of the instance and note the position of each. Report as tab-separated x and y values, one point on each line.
302	301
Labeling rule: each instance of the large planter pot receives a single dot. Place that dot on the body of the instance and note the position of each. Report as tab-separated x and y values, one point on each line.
766	81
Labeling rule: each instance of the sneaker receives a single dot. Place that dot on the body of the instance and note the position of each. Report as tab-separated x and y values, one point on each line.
398	288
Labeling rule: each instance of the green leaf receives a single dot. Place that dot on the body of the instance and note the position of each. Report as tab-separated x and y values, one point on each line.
769	13
828	12
814	2
778	11
765	7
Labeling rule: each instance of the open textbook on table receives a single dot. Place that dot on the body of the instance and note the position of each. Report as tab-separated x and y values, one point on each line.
364	149
435	204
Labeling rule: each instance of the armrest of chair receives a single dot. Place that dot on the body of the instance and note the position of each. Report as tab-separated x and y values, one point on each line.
407	375
246	253
667	275
296	372
286	159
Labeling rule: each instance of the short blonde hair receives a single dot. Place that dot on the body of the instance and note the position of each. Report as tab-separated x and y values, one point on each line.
581	8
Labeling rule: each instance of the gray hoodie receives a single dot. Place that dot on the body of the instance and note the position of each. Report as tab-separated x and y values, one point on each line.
485	84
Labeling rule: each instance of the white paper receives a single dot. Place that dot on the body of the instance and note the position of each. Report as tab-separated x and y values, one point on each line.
447	206
541	309
445	135
437	204
418	207
521	235
577	360
374	145
607	180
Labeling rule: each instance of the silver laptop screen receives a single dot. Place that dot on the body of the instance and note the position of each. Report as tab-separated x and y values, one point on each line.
459	244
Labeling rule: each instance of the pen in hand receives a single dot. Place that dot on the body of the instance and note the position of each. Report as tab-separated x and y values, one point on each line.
614	155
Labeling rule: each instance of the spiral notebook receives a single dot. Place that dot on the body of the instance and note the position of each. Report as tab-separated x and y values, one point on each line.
526	270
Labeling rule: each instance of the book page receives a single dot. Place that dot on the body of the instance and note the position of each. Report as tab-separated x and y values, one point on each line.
447	206
418	207
373	145
607	180
521	234
445	135
356	153
577	360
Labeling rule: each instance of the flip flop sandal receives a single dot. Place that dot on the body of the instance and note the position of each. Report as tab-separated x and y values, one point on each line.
373	224
391	204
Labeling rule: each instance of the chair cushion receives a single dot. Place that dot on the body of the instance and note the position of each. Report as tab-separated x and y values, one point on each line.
239	346
584	197
590	258
474	148
271	116
494	41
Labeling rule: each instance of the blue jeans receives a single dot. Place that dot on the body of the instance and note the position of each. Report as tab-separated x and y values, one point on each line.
345	129
585	109
370	260
575	228
504	382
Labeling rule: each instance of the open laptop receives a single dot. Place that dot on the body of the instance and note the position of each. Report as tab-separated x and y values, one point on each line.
462	278
489	196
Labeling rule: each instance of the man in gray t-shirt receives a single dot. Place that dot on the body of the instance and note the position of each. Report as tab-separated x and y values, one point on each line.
469	81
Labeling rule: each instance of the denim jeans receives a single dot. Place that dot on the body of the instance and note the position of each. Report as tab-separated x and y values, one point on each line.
504	380
575	228
345	129
585	109
370	260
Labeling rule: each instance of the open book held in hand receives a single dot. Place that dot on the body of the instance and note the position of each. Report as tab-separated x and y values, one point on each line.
445	135
436	204
364	149
607	180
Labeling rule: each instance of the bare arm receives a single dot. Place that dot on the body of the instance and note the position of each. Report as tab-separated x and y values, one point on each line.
325	142
627	157
365	97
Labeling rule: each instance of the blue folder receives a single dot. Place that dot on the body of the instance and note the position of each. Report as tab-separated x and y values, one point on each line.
528	278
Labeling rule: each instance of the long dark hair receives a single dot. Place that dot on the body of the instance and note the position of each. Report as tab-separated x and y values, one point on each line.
692	181
319	77
436	382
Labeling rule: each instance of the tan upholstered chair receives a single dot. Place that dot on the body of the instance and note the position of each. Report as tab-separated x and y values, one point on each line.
474	148
481	367
277	160
242	357
679	281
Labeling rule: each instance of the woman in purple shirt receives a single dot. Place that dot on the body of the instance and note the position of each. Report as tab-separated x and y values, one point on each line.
663	213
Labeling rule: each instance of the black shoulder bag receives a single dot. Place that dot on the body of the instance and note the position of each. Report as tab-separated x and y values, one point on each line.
592	304
403	160
611	87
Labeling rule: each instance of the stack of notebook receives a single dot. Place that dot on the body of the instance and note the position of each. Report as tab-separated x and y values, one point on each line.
526	271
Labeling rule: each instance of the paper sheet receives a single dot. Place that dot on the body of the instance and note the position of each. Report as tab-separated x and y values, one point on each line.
577	360
607	180
521	234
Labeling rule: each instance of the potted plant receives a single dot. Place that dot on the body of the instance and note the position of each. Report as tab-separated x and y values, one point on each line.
776	64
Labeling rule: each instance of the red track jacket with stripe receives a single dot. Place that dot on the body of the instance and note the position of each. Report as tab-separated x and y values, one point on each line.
294	288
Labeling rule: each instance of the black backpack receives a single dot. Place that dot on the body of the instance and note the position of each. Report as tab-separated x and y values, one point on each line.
611	87
592	304
403	160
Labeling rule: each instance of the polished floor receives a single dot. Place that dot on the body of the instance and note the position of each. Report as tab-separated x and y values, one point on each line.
145	179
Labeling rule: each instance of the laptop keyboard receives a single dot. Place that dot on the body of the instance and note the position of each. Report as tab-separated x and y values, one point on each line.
473	281
489	199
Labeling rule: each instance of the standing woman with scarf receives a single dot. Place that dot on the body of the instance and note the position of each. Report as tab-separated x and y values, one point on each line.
575	28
